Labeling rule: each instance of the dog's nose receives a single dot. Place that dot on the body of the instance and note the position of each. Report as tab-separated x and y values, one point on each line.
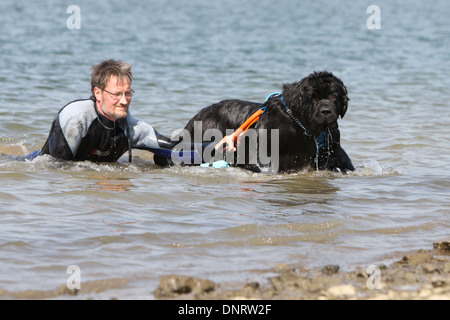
326	111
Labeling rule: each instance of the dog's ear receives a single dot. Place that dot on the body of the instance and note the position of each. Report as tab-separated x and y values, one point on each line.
345	100
296	96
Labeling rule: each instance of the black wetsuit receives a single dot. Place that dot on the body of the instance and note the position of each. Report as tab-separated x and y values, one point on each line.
79	132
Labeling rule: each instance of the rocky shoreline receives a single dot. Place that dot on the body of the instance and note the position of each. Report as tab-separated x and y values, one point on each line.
418	275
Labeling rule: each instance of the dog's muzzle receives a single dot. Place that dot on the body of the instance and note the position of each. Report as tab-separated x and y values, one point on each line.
326	112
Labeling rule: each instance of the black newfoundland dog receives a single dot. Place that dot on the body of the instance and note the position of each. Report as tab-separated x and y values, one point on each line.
303	119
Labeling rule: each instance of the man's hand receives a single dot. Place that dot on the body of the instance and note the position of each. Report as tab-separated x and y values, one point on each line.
228	143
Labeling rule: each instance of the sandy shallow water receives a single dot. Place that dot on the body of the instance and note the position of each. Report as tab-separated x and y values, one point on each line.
418	275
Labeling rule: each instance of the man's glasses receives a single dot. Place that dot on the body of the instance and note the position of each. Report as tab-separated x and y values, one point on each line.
118	95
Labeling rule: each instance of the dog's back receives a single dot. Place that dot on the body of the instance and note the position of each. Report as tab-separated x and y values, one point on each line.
224	115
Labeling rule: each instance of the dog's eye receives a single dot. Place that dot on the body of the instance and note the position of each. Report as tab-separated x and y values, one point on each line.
333	97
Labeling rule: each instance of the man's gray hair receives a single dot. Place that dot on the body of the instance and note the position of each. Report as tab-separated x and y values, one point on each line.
102	72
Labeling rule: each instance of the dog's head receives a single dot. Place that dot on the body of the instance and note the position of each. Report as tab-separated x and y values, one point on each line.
317	100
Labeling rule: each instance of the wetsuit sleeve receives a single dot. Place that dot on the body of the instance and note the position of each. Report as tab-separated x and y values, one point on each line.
56	144
68	128
145	137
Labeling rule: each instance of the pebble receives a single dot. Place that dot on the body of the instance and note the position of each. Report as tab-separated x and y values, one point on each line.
443	245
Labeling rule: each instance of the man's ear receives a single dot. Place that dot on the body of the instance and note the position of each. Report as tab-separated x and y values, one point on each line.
98	94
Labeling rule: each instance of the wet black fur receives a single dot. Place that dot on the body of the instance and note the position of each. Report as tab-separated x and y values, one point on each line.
317	101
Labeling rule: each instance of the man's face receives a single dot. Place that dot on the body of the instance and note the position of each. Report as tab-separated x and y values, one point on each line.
114	101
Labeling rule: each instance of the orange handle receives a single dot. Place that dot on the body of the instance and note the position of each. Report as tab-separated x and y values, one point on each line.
247	124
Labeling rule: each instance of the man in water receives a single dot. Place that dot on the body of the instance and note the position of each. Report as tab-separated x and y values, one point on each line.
101	129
